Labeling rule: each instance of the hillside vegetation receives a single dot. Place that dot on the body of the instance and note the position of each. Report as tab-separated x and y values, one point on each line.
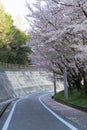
12	41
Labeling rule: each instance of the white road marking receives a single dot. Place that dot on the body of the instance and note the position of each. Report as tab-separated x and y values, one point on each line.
57	116
5	127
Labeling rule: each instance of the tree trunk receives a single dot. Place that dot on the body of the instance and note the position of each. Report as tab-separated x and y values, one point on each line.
65	83
85	83
54	76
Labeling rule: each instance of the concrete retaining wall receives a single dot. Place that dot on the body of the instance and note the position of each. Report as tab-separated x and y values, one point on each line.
21	82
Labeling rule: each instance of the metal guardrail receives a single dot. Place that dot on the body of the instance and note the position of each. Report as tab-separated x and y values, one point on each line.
4	105
3	108
16	66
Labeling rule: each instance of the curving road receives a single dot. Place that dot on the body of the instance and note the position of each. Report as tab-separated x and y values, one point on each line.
29	114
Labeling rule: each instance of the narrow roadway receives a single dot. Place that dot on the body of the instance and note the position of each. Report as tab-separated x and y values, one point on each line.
30	114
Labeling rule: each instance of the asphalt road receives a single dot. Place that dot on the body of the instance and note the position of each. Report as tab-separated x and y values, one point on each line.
29	114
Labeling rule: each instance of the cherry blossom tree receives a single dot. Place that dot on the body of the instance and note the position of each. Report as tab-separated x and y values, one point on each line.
58	37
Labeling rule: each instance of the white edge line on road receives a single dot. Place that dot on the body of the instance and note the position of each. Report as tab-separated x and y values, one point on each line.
57	116
5	127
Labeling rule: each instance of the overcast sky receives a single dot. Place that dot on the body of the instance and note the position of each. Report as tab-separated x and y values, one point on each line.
18	10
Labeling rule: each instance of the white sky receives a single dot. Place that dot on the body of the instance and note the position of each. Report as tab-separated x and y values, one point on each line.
18	10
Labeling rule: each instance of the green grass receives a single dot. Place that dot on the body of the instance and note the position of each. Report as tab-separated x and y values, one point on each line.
76	98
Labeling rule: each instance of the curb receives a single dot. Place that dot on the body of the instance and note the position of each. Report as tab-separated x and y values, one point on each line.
71	105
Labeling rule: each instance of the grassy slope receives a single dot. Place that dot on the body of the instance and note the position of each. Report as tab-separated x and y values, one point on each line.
76	98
